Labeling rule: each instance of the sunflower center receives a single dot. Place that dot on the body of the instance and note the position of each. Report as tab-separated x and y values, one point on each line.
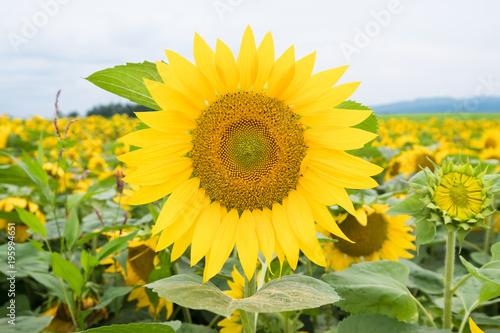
458	194
247	150
368	239
490	143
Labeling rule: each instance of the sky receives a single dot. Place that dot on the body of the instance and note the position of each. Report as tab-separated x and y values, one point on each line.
399	49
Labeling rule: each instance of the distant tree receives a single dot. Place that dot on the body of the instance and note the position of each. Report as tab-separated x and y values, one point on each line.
73	114
116	108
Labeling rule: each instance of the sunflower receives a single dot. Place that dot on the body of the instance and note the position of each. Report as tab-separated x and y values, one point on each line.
490	139
383	237
411	161
7	205
247	149
459	194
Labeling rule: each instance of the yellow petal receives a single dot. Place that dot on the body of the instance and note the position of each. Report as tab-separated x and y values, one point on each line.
318	85
150	193
167	121
265	234
205	231
174	231
303	71
156	174
266	60
339	178
324	192
176	204
347	138
314	253
194	82
335	118
322	215
167	75
222	245
247	60
226	67
247	243
182	243
282	73
300	217
473	327
204	58
361	216
169	98
156	154
150	136
344	162
287	238
329	99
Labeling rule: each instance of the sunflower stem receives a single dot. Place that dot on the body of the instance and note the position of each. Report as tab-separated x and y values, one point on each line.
448	282
488	234
249	318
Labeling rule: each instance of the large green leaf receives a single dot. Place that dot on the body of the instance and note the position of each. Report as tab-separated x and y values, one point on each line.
411	205
290	293
428	281
28	260
375	323
426	231
127	81
489	272
72	229
67	271
31	220
134	328
25	324
14	175
374	287
192	328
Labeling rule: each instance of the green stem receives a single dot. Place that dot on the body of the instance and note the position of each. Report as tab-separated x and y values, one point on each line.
249	318
429	317
287	324
213	321
70	307
448	281
488	234
466	317
465	278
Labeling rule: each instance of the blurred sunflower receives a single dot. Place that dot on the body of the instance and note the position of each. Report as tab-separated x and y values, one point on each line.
382	237
490	139
7	205
411	161
141	260
247	149
233	324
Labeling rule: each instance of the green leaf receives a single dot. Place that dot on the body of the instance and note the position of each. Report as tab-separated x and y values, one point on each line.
116	245
494	181
489	272
28	260
290	293
374	287
375	323
495	251
31	220
411	205
72	229
154	212
36	169
51	282
419	180
109	295
134	328
428	281
370	124
14	175
88	262
67	271
192	328
40	150
75	199
488	291
25	324
426	231
127	81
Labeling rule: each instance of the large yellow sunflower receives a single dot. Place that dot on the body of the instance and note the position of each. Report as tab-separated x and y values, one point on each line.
247	149
382	237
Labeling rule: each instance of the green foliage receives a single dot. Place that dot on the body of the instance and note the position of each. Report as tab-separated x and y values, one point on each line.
68	272
293	292
25	324
127	81
134	328
31	220
374	323
109	110
374	287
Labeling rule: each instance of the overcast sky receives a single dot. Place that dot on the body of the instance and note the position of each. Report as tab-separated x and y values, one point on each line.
399	49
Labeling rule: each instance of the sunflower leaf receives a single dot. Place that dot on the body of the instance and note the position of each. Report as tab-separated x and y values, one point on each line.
127	81
31	220
290	293
136	328
489	272
426	231
411	205
374	287
68	271
25	324
375	323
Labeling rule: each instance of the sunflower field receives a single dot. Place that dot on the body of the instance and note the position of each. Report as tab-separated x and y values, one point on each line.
258	198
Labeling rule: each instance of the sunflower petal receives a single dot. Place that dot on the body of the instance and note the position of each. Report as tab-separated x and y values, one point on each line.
156	154
342	138
151	137
300	217
282	73
329	99
156	174
266	60
265	235
335	118
247	243
248	62
303	71
287	238
205	231
226	67
204	58
167	121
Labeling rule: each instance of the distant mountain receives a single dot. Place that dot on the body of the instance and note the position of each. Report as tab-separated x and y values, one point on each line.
444	104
